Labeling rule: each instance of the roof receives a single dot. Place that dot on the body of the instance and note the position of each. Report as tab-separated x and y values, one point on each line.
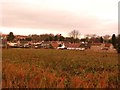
21	36
4	35
45	42
73	45
96	44
107	45
54	44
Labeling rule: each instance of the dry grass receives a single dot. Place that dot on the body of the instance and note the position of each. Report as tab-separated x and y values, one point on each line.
47	68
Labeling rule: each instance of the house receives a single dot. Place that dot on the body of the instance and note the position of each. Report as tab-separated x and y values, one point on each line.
74	46
26	45
62	47
13	45
109	47
101	47
85	45
20	37
96	46
46	44
55	44
3	36
36	45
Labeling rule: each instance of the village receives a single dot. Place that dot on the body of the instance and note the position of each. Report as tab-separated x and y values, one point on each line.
60	44
20	41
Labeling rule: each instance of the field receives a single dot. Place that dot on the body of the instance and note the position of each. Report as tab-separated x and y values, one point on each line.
48	68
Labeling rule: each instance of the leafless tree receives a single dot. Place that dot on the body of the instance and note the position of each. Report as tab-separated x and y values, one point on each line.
74	34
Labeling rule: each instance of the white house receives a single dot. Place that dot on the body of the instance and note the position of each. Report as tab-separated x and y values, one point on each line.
62	47
12	44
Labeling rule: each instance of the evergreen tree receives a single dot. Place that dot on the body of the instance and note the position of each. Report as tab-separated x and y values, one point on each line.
10	36
114	40
118	44
56	38
51	38
62	38
28	39
101	39
51	46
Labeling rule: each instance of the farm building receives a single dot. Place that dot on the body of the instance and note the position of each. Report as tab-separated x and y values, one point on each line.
100	47
96	46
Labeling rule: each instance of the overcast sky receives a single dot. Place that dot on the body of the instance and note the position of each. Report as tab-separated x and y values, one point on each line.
59	16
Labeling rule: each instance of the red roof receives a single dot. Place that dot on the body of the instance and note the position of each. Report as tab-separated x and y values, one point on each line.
72	45
54	44
107	45
96	44
4	34
20	36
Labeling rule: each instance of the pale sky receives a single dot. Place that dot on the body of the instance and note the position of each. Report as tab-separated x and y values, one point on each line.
59	16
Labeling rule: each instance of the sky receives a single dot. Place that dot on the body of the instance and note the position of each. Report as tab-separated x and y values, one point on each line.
26	17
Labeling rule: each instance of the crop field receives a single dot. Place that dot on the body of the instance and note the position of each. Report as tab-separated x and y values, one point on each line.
50	68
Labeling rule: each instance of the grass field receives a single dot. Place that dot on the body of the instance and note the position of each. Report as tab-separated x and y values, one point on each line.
47	68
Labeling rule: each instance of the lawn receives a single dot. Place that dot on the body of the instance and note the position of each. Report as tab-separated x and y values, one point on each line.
50	68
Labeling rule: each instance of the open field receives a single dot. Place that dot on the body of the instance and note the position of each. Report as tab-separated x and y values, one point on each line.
40	68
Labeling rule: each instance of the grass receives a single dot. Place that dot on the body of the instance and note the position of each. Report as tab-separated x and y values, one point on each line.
49	68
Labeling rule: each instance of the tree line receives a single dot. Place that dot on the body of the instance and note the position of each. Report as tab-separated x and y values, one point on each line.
73	38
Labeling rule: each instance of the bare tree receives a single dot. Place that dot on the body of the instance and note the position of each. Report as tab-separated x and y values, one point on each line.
74	34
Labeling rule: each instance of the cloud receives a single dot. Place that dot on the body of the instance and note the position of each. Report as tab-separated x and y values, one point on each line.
17	17
23	15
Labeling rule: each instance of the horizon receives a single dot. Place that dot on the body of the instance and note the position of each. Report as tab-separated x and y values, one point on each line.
65	35
80	36
59	17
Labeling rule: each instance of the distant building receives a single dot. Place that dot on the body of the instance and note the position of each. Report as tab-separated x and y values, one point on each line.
4	36
96	46
101	47
20	37
45	44
4	40
55	44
